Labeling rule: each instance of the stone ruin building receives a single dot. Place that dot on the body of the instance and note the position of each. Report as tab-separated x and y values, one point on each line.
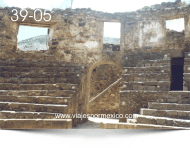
147	75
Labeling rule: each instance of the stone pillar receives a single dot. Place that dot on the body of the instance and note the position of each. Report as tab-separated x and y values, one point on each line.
78	40
8	32
187	32
2	25
122	36
131	35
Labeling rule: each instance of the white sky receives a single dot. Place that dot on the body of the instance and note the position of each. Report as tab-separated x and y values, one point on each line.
177	24
99	5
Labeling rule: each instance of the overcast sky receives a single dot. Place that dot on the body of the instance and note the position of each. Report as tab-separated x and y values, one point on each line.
99	5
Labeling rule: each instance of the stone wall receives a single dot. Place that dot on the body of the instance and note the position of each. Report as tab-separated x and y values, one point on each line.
80	38
111	47
102	77
175	40
8	32
108	103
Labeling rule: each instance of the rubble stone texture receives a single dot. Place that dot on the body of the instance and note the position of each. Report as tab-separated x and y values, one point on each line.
34	85
102	77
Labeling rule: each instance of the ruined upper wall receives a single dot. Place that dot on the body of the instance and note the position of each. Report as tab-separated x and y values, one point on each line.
174	39
146	32
158	10
80	38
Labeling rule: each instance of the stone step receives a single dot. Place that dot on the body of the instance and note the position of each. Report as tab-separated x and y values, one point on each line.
186	83
178	114
32	107
53	93
126	92
169	106
148	82
186	88
183	93
15	75
143	119
168	93
151	69
131	120
187	55
36	123
58	86
74	80
145	63
33	56
37	99
19	63
186	80
174	98
27	56
147	57
186	69
146	77
187	75
146	86
136	126
187	62
29	115
161	97
38	69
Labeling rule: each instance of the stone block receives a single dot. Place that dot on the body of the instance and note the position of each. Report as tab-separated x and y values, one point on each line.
172	114
182	114
151	88
169	123
145	120
160	121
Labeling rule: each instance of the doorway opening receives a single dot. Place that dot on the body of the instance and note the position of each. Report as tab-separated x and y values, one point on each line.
177	74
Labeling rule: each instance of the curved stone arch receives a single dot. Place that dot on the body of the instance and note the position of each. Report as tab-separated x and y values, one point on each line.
90	73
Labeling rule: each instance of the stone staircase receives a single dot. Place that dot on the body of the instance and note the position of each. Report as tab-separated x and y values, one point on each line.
145	93
163	114
31	93
171	110
147	75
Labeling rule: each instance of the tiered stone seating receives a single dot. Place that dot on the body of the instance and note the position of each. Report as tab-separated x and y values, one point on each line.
32	93
165	114
147	75
145	93
171	110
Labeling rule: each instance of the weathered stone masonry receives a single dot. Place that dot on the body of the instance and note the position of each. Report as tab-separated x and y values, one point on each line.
145	53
